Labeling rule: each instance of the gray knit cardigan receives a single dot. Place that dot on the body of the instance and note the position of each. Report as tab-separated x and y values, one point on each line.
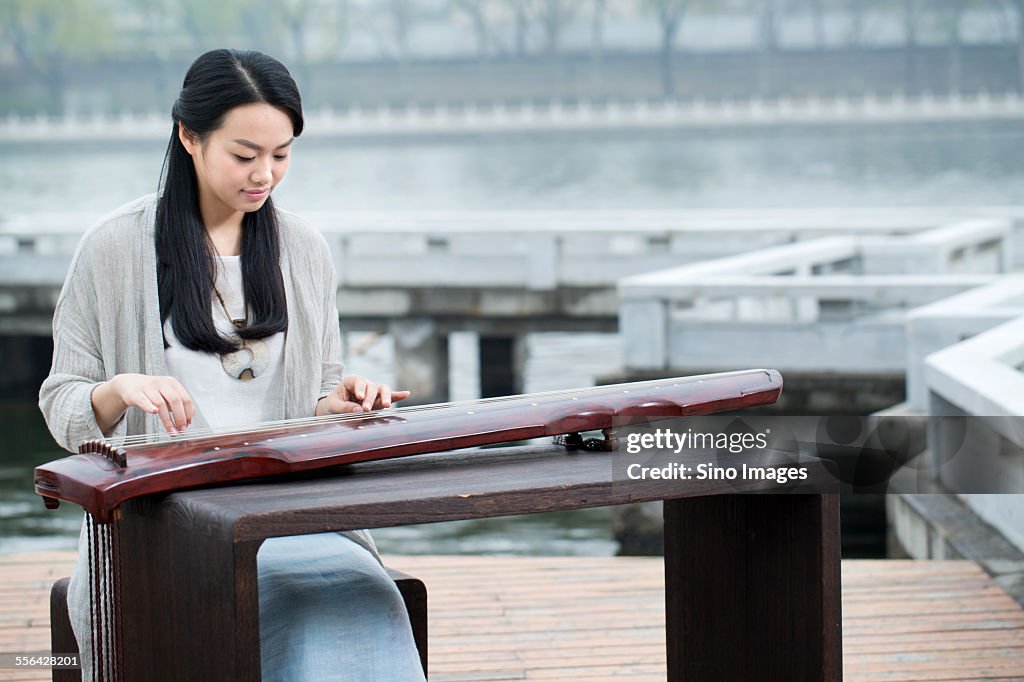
107	322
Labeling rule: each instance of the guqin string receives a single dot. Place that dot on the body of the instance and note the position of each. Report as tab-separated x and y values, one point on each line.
303	422
106	624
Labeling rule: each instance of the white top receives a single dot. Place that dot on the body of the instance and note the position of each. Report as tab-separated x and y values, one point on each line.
221	399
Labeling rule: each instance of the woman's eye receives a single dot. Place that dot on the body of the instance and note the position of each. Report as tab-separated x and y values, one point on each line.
244	158
280	157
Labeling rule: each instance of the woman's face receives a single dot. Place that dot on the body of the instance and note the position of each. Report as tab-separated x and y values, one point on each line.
240	163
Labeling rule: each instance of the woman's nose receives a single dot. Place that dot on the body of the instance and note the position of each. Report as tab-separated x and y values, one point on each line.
261	172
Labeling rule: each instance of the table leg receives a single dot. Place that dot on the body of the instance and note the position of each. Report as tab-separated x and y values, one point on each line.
190	602
752	588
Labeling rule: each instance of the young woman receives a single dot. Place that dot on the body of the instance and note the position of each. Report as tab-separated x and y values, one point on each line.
203	305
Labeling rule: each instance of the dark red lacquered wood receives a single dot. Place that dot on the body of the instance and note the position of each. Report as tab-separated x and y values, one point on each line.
100	484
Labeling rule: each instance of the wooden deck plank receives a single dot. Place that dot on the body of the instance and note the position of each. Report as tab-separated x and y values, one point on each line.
602	618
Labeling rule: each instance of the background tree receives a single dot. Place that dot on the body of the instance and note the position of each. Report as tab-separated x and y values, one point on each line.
768	43
46	36
207	25
768	24
402	17
818	22
555	16
948	17
597	18
953	19
475	10
295	17
523	12
855	10
1018	8
300	19
670	18
159	26
910	44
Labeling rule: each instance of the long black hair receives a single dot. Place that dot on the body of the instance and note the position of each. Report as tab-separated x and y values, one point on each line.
217	82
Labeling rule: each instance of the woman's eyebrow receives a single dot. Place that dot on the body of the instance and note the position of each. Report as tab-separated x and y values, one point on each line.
256	147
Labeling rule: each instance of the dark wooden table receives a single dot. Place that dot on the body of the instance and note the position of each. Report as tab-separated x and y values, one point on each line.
752	581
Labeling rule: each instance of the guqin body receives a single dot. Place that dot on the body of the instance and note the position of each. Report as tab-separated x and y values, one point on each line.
104	475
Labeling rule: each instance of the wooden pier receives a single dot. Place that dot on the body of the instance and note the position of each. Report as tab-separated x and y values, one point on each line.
602	618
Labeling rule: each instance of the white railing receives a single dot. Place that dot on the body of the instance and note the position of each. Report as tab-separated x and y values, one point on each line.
805	306
976	433
947	322
537	250
982	377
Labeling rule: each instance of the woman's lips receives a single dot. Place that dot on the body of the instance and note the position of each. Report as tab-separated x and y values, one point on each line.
256	195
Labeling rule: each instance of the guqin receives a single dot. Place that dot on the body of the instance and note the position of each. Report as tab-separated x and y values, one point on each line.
106	474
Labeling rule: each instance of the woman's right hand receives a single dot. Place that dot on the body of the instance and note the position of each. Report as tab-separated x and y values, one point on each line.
163	395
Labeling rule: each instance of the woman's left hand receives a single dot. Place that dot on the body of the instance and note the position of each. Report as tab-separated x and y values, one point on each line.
358	394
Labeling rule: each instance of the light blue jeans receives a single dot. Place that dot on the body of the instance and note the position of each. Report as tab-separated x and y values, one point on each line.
329	611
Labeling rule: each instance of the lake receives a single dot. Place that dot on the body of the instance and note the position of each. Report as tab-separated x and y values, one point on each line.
770	169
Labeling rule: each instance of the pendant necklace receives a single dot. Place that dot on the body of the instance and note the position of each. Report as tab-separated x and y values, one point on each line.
251	359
